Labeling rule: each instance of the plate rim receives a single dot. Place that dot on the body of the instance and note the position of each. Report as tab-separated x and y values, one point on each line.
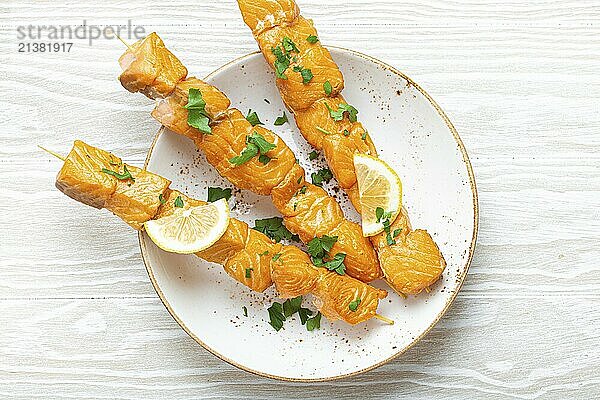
449	302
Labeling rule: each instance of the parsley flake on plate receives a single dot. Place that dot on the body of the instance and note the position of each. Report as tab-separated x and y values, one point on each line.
322	175
276	316
252	117
312	155
217	193
281	120
314	322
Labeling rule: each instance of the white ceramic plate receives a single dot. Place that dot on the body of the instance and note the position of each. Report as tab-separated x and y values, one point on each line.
413	135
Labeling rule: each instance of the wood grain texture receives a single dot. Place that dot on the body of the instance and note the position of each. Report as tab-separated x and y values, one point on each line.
521	83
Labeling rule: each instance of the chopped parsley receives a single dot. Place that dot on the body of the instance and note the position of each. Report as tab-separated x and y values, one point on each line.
384	218
276	316
338	114
313	155
289	45
319	248
282	62
299	179
249	273
281	120
255	144
266	252
291	306
276	256
314	322
312	39
306	73
178	202
250	151
197	116
336	264
252	117
364	135
302	190
323	130
279	313
346	132
264	159
245	310
122	177
354	304
217	193
327	88
322	175
282	56
275	229
397	232
161	198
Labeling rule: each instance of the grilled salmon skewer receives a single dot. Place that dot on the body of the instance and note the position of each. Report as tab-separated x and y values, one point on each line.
310	84
308	211
143	196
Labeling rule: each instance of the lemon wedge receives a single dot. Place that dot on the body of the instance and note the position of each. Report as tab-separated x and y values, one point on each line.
378	187
190	230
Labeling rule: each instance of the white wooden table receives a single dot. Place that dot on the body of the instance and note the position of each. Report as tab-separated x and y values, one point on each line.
520	81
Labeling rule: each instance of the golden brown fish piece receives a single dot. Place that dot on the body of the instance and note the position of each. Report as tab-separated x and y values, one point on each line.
414	262
135	200
229	139
267	14
296	93
293	273
280	176
341	297
149	68
81	176
248	256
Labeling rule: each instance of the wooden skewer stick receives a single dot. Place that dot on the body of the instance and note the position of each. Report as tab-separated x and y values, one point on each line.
53	153
384	319
122	41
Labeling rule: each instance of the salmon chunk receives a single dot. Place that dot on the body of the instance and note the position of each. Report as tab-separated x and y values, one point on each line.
150	68
137	201
341	297
296	92
413	264
81	176
293	273
252	265
261	15
229	139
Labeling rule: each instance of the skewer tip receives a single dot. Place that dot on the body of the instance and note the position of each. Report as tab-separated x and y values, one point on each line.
122	41
384	319
52	152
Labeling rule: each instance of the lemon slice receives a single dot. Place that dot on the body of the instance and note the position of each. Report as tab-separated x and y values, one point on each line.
190	230
378	187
